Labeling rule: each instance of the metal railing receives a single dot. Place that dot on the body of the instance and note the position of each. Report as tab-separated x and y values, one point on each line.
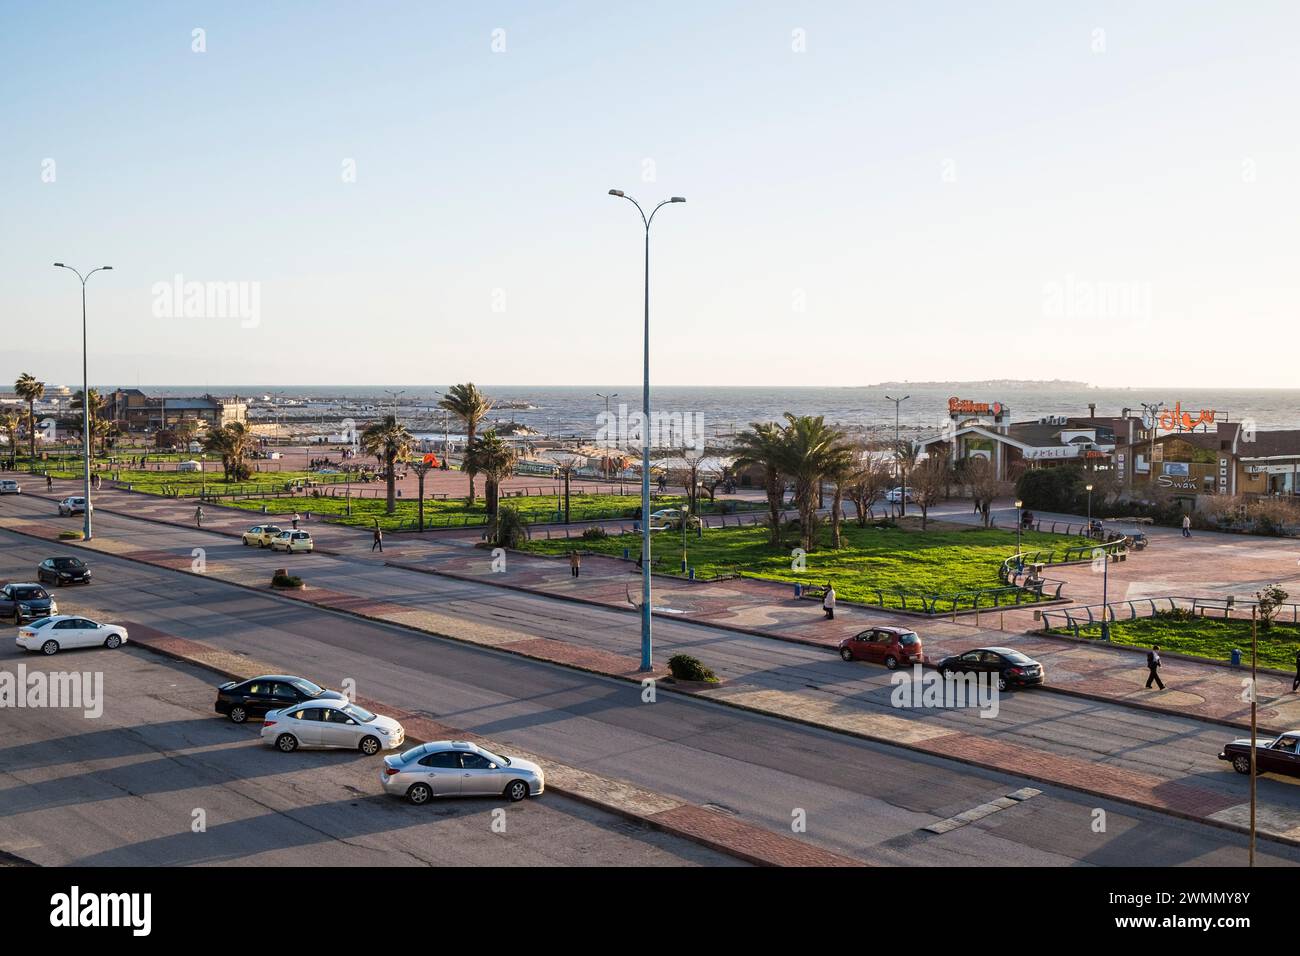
1014	567
1223	607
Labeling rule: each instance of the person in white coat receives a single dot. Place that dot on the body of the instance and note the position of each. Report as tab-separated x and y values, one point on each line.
828	602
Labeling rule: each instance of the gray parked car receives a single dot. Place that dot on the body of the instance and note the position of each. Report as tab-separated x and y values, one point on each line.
454	768
331	723
26	602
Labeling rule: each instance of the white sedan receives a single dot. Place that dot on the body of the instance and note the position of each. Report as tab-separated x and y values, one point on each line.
331	723
49	635
290	541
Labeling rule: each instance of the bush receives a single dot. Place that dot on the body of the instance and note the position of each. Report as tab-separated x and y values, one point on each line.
70	535
512	529
1053	489
685	667
1176	614
282	580
595	533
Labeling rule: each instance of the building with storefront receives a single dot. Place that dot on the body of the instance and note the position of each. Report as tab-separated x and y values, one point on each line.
134	411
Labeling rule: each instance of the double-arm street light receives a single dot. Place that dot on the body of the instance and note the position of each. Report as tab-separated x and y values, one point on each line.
646	665
898	464
85	385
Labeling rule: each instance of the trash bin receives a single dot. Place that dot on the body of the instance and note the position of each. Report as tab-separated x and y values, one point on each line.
1236	657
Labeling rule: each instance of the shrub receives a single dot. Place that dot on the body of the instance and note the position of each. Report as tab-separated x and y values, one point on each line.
1176	614
512	529
1053	489
282	580
685	667
595	533
70	535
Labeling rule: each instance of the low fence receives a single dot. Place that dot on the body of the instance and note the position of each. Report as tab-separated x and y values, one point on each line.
1014	567
1083	618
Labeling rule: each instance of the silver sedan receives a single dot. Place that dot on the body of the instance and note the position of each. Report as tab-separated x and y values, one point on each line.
331	723
454	768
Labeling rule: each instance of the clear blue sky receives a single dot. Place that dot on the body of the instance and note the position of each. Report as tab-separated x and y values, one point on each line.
920	181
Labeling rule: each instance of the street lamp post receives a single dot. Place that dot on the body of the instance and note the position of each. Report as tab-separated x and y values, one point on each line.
1089	487
1105	595
85	387
646	664
1019	504
902	492
395	395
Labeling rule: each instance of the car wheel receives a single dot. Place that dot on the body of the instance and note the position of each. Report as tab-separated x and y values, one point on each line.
891	662
846	653
369	746
419	793
516	790
1241	763
238	714
287	743
49	648
1002	683
114	642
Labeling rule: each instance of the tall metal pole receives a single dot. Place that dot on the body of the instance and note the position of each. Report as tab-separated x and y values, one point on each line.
902	482
646	664
85	391
1254	697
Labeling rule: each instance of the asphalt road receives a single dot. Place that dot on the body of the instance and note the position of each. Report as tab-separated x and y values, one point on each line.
125	789
861	799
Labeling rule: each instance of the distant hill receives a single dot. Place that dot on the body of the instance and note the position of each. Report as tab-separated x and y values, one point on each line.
988	383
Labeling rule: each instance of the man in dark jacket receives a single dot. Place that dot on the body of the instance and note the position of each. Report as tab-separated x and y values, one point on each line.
1153	667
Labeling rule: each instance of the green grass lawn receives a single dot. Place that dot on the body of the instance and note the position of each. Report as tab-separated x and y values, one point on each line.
453	511
1209	637
876	557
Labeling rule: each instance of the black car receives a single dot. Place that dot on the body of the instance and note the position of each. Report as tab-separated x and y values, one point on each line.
1011	668
63	571
240	700
1271	756
26	602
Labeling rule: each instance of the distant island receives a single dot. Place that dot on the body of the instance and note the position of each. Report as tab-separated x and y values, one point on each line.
987	383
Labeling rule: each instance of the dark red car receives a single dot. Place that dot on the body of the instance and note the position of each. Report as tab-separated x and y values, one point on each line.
892	646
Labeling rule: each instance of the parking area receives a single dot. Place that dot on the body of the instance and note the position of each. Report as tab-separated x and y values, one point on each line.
159	779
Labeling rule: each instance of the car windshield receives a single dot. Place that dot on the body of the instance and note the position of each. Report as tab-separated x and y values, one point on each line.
1016	657
64	563
40	622
358	713
307	687
29	594
908	638
413	754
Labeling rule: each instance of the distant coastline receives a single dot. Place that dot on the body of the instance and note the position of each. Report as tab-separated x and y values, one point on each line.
989	383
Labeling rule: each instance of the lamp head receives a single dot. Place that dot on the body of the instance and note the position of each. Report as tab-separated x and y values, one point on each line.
616	192
60	265
678	199
107	268
1019	503
1088	487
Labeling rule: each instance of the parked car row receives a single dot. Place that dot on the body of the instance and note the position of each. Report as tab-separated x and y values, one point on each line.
278	539
901	646
298	713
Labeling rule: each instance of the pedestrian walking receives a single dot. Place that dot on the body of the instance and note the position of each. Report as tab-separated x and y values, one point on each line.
1187	526
379	541
1295	684
49	483
198	516
1153	667
828	602
575	562
296	519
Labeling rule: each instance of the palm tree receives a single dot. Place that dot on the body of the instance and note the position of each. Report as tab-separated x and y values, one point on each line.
495	460
96	410
816	451
471	406
232	442
9	422
763	445
30	391
841	465
389	441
